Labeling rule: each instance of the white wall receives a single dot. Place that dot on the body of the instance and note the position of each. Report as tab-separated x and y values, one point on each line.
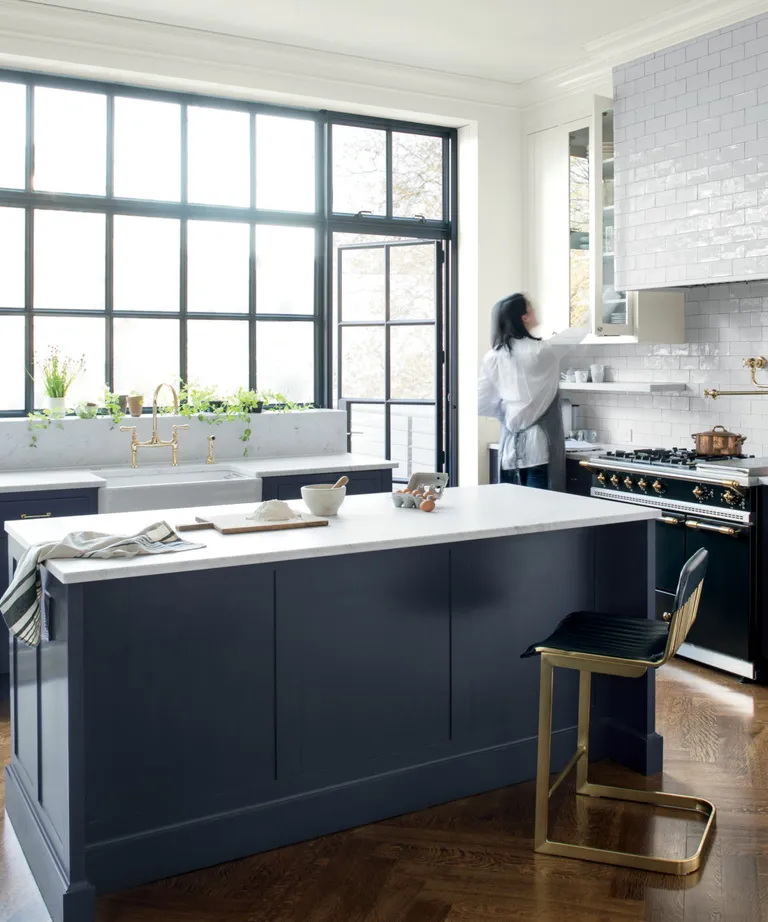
33	36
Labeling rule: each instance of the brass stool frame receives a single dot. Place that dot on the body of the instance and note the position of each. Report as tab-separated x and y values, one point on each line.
586	664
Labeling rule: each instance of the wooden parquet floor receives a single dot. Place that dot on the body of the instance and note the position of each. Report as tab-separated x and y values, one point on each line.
471	860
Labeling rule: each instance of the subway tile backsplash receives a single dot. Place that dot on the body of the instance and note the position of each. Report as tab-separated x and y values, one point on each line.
691	167
724	325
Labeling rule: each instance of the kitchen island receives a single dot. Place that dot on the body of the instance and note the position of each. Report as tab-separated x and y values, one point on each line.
192	708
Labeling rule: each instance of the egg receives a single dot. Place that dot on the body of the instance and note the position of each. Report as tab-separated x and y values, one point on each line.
430	496
427	506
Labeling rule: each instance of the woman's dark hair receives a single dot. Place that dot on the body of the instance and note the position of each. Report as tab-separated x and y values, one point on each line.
507	321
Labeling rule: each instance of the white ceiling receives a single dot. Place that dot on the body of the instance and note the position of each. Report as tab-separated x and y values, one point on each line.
505	40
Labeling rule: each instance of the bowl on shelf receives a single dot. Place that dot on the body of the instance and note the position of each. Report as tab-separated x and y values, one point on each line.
323	498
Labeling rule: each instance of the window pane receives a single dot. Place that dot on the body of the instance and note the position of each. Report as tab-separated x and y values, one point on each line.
413	362
219	156
217	354
146	354
412	282
417	175
285	270
218	255
147	149
359	170
69	260
362	362
367	428
12	375
146	264
74	337
413	440
70	141
12	226
285	359
13	118
285	163
363	294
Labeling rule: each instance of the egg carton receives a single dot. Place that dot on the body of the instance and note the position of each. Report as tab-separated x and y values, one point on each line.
433	483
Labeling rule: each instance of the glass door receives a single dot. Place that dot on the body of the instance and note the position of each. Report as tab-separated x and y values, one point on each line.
389	351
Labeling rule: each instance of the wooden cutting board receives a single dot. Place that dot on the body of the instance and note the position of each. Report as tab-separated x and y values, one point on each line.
240	524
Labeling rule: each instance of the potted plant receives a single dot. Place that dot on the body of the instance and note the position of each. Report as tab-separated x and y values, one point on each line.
58	373
135	403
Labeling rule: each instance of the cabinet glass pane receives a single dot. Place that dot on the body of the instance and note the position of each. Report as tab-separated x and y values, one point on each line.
74	337
69	260
12	376
70	141
359	170
614	303
285	163
219	157
412	282
363	284
13	127
579	258
362	362
217	354
412	362
413	439
285	270
12	226
367	429
285	359
417	175
218	254
146	264
146	354
147	149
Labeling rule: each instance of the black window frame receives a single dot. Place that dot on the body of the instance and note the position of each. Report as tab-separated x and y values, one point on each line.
324	222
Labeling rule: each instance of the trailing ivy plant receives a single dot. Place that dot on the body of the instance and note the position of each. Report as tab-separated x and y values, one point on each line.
42	419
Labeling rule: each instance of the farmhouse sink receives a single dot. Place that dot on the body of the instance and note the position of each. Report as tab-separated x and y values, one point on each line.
167	487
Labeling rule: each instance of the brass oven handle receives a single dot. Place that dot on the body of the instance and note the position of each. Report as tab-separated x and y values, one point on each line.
40	515
717	529
669	520
587	465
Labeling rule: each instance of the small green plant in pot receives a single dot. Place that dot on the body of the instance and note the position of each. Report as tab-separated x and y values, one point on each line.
58	372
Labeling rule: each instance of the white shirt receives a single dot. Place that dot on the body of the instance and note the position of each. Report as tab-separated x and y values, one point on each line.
516	388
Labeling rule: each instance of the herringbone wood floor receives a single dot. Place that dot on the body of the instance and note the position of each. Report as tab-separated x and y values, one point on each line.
471	861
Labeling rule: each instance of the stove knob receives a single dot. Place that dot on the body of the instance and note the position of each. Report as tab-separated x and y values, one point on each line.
615	480
628	483
701	493
730	498
658	487
642	483
601	477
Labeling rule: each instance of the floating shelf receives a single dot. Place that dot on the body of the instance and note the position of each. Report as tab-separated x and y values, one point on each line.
625	387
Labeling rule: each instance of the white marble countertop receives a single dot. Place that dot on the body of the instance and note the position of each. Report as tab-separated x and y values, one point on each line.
83	478
365	523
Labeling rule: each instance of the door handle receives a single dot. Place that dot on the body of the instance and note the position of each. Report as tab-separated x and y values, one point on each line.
40	515
716	529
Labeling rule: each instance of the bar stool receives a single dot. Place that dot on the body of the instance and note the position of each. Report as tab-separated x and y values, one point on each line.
613	645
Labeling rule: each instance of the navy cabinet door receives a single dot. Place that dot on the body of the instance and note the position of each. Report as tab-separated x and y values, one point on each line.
287	488
35	505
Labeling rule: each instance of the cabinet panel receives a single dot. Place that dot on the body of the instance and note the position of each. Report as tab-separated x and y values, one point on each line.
670	551
35	505
287	488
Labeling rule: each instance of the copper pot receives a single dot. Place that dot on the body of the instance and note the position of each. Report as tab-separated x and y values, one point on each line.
718	441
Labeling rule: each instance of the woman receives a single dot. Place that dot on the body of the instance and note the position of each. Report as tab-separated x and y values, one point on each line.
518	386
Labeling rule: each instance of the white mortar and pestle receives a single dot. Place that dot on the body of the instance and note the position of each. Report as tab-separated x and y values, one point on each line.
325	499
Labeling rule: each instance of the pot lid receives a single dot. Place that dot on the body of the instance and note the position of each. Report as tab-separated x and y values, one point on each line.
720	431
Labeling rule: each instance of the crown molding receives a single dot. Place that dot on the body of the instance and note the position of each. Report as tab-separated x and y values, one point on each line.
73	41
692	19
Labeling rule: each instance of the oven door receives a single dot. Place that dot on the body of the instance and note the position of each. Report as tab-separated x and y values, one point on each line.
723	621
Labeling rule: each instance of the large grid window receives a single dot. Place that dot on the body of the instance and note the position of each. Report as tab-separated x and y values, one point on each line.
165	236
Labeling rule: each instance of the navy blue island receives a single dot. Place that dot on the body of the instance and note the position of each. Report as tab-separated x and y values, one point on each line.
193	708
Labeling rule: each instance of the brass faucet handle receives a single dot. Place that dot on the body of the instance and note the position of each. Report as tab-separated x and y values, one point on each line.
132	430
177	428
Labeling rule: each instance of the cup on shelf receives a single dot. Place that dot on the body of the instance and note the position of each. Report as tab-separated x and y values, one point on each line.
598	373
568	375
581	376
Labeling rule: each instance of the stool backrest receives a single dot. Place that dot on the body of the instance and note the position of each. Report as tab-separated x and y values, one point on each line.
686	601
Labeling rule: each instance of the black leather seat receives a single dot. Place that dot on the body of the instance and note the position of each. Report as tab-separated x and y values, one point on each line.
607	635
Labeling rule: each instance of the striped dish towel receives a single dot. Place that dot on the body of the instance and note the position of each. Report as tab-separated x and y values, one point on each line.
20	605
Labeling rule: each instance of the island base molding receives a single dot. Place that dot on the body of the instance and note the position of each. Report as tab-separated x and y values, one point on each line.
178	721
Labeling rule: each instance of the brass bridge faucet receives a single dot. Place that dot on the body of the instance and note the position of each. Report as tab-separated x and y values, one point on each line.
156	441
